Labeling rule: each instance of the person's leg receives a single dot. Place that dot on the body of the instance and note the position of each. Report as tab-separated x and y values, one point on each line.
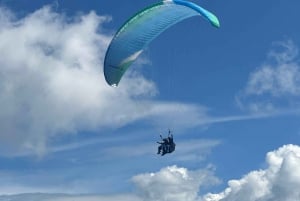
159	149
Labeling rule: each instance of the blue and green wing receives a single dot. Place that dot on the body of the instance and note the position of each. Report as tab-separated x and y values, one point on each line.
131	39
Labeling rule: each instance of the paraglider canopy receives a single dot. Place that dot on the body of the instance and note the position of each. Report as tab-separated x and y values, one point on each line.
131	39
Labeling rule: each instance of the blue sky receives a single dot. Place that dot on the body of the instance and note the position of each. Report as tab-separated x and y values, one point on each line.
230	96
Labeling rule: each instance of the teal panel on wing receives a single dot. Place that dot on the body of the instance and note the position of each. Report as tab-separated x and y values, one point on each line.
141	29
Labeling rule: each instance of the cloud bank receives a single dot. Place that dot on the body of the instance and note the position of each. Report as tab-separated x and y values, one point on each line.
170	183
65	197
173	183
279	180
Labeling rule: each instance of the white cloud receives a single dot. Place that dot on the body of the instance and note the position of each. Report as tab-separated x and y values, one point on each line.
173	183
286	52
97	198
64	197
49	70
282	78
170	183
275	82
279	181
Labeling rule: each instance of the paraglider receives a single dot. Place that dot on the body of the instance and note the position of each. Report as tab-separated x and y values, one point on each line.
136	34
167	145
